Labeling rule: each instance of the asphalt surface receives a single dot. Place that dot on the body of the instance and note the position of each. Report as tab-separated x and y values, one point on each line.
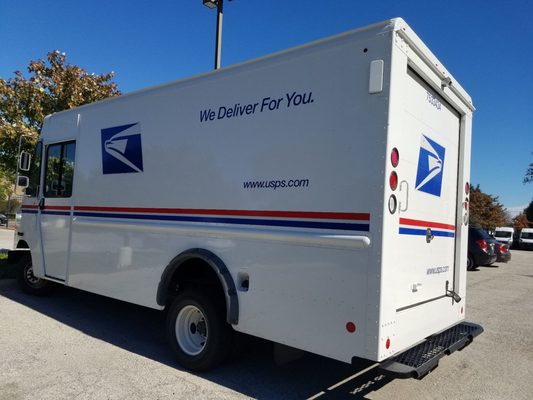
6	238
76	345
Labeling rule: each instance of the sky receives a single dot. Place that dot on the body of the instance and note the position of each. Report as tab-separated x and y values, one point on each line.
487	45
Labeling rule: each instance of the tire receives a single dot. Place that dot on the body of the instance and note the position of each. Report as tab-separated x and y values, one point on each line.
197	330
28	282
470	265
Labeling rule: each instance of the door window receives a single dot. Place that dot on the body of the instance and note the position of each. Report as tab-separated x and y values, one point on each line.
59	169
35	172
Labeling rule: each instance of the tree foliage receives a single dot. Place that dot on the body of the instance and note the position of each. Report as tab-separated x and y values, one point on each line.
528	212
50	86
520	222
486	210
7	202
529	174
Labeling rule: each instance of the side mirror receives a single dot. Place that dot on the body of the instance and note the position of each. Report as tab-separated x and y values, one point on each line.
23	182
24	161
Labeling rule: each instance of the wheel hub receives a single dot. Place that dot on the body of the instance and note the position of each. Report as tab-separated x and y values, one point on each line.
32	279
191	330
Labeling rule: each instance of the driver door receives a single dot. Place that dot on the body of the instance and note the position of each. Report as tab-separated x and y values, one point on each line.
55	208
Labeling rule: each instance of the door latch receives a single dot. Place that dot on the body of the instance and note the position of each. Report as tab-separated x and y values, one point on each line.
41	204
452	294
404	205
429	235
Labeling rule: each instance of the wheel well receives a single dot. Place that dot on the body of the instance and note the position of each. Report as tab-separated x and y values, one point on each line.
21	244
196	273
199	268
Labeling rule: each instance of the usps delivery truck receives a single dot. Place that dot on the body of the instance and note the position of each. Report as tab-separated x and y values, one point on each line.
316	197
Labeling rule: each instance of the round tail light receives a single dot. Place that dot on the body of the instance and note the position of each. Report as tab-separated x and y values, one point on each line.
395	157
393	180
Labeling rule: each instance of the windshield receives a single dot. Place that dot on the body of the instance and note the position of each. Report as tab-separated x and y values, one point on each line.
502	234
526	235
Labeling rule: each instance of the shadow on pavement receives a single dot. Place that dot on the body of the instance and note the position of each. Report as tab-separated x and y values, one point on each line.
491	266
253	373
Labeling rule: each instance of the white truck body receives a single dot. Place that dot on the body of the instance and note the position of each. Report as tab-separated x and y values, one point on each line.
525	240
281	167
504	234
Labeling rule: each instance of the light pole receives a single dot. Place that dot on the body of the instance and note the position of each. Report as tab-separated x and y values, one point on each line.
219	5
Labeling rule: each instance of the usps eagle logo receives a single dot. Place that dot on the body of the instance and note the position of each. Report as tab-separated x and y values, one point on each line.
122	149
430	167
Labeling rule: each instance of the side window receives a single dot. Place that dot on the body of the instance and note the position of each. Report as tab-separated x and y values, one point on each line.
59	169
34	174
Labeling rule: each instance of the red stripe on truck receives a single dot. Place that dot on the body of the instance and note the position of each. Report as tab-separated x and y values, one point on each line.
425	224
238	213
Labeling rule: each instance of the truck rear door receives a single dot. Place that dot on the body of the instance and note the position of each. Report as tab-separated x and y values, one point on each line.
428	174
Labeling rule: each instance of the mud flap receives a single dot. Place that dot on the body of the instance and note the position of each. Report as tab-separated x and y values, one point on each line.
421	359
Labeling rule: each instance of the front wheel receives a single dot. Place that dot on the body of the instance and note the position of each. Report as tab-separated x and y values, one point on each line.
28	282
197	330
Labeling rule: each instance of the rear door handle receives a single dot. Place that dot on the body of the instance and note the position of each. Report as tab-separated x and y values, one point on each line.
41	204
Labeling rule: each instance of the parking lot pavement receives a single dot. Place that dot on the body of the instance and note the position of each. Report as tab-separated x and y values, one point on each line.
76	345
6	238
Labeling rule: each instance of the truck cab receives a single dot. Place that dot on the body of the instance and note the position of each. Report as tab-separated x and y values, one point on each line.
504	234
525	240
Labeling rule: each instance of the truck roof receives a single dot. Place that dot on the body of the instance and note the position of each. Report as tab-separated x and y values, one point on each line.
395	24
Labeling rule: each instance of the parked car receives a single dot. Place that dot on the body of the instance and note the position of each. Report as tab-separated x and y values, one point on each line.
503	254
480	248
3	219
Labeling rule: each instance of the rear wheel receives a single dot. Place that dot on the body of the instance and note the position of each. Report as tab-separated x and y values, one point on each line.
28	282
470	263
197	330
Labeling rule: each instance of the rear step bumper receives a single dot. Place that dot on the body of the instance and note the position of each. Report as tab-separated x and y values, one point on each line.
418	361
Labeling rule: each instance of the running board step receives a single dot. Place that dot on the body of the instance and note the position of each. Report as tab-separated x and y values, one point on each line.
418	361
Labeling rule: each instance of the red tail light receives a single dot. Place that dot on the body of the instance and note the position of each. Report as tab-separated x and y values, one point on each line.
393	180
482	244
395	157
502	248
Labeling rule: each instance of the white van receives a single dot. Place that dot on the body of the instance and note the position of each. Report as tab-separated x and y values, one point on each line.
525	240
504	234
316	197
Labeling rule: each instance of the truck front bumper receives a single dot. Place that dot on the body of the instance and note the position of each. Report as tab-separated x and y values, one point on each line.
421	359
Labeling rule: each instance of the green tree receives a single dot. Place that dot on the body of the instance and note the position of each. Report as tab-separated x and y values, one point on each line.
529	174
7	201
528	212
50	86
486	210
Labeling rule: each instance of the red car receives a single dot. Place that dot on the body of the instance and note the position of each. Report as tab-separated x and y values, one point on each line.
502	251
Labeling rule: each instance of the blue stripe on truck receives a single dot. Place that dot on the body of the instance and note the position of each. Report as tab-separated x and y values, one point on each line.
422	232
238	221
